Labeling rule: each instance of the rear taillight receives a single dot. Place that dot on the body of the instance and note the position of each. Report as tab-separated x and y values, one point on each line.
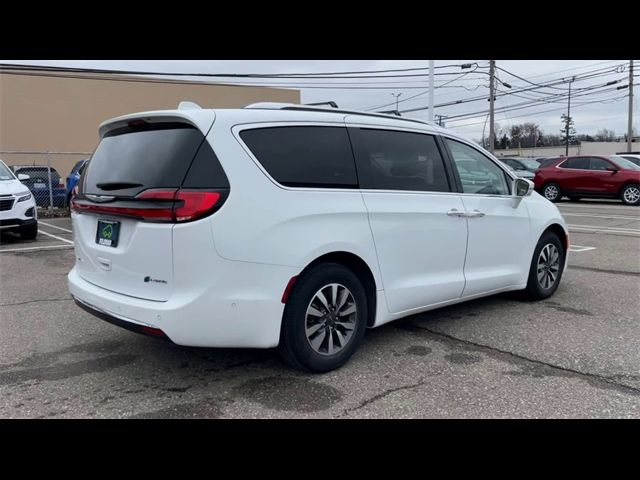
158	205
196	203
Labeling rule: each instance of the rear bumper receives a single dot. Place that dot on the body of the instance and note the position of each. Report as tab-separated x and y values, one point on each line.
242	311
126	324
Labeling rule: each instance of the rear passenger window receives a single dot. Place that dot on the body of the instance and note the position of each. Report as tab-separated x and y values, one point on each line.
393	160
579	163
304	156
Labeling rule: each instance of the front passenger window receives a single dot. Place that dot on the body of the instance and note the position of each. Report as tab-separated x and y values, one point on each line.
599	164
478	173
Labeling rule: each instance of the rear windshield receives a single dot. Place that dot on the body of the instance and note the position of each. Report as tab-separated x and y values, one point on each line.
131	159
39	174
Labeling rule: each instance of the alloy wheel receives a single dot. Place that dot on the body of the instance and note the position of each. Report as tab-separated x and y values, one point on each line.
330	319
548	266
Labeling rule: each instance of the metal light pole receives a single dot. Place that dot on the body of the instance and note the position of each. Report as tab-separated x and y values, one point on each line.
431	66
492	87
568	120
396	95
630	125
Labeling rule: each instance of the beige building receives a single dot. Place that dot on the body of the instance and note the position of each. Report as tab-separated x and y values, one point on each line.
60	114
583	148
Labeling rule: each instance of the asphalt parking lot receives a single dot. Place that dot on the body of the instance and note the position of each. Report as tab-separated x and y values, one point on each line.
573	355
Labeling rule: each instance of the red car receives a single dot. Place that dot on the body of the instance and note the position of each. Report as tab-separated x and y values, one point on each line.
595	176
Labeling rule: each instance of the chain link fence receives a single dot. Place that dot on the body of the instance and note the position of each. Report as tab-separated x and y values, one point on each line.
49	176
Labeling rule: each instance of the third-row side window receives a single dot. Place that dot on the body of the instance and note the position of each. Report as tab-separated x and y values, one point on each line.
304	156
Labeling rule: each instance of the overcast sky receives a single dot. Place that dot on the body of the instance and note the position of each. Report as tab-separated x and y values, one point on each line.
609	112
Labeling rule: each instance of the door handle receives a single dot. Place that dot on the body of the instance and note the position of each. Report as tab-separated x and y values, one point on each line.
475	214
454	212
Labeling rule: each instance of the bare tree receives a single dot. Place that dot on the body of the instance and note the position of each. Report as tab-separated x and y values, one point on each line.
605	135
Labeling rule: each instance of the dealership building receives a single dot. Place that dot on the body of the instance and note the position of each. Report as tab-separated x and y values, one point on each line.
51	118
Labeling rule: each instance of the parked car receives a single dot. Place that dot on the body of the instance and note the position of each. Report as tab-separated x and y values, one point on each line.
608	176
522	173
298	227
17	206
74	176
635	158
544	161
38	184
522	165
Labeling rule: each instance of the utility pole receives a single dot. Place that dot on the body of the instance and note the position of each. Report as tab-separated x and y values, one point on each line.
440	119
630	125
492	74
431	65
397	95
568	121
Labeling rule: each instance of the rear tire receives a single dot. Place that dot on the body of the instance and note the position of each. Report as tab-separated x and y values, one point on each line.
29	232
545	271
552	192
630	194
308	325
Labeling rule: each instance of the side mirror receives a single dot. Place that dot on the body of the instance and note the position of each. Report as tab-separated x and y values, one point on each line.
23	176
612	169
522	187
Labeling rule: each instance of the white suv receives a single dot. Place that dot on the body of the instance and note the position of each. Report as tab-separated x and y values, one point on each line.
17	207
298	227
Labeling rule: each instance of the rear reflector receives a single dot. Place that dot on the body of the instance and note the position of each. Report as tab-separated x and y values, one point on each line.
156	332
157	205
288	288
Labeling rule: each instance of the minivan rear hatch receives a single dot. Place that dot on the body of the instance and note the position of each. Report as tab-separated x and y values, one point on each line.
128	199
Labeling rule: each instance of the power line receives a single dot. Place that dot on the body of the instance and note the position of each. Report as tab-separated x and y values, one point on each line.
426	91
483	97
295	76
330	86
540	112
518	106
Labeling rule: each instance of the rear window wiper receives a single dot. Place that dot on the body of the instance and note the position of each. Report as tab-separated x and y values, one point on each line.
117	185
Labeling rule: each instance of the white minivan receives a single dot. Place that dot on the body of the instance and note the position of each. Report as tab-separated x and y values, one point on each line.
298	227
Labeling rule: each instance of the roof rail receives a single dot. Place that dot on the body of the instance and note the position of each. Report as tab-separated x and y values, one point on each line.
332	104
269	105
391	112
355	112
319	108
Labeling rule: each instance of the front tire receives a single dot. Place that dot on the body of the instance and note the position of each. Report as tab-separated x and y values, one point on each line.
552	192
545	271
630	194
29	232
324	320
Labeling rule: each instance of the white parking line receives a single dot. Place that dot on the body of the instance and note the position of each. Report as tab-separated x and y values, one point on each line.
621	217
55	236
614	206
35	249
580	248
601	229
55	226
